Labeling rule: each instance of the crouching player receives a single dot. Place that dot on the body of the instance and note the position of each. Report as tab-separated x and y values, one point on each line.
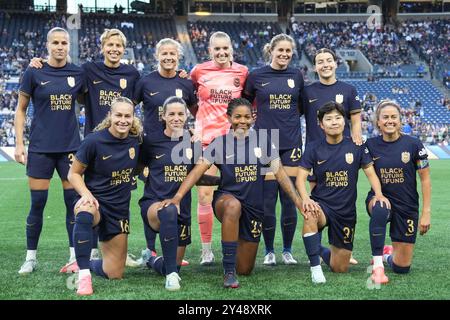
107	158
335	162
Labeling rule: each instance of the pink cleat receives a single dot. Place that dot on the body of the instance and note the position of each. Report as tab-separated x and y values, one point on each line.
70	267
388	249
378	276
184	263
85	286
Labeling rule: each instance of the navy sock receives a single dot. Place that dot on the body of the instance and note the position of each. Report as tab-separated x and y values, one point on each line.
96	266
82	238
325	254
95	237
270	219
168	236
288	219
69	199
377	228
35	217
157	264
150	237
229	249
312	247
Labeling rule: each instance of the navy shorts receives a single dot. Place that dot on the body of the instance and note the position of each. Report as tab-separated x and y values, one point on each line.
341	230
42	165
403	225
250	222
112	220
184	220
291	157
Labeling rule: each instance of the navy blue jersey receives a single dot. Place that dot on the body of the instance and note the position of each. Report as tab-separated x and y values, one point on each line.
396	164
169	162
316	95
154	89
277	95
53	91
336	168
104	85
110	163
241	162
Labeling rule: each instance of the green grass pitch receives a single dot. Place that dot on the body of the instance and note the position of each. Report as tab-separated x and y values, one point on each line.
428	278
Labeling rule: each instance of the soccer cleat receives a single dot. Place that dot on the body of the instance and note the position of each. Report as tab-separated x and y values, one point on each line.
378	276
85	286
28	267
131	261
70	267
353	261
288	258
184	263
95	255
317	275
173	281
207	257
269	259
230	280
388	249
145	256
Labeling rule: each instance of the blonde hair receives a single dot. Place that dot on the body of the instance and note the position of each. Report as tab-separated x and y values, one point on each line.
136	126
383	104
108	33
222	35
168	41
268	47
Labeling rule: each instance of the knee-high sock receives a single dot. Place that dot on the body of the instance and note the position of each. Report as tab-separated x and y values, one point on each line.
95	237
35	217
312	247
69	199
288	219
96	266
150	237
82	238
168	236
270	219
205	222
229	249
377	228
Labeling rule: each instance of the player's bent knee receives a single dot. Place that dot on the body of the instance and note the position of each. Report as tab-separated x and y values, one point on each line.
116	274
85	208
400	270
340	268
246	271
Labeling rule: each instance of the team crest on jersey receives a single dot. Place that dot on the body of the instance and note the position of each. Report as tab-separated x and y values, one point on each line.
145	172
71	81
349	158
258	152
237	82
189	153
132	153
179	93
405	157
339	98
123	83
291	83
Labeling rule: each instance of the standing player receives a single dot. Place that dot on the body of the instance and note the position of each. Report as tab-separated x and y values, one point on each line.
107	159
217	82
397	157
335	162
169	155
54	135
328	88
105	80
153	90
276	89
240	156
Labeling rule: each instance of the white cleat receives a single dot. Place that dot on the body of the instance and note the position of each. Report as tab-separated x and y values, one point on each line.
269	259
28	267
288	258
317	275
173	281
207	257
131	261
95	255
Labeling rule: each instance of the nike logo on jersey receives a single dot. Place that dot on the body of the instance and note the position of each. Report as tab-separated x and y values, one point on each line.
43	83
376	158
312	100
97	81
82	241
160	156
231	155
264	84
106	157
153	93
320	162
